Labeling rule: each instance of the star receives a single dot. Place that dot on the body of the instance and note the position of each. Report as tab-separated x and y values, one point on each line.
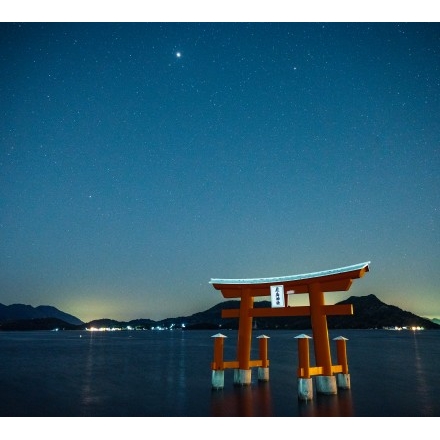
178	54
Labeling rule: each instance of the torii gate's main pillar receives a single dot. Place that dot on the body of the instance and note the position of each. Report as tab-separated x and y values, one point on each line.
242	375
315	284
320	329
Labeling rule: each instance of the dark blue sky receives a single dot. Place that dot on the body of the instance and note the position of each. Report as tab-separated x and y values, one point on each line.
131	176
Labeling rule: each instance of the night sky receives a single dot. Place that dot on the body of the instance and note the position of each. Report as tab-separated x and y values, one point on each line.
140	160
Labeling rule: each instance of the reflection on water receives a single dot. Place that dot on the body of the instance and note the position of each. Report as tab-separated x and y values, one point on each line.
89	396
422	381
242	401
255	400
337	405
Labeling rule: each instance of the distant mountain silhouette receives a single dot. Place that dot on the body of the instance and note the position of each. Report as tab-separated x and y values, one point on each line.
369	312
16	312
436	321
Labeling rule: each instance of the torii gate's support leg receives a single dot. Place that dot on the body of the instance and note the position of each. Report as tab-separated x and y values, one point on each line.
243	375
305	383
218	372
342	379
263	371
325	383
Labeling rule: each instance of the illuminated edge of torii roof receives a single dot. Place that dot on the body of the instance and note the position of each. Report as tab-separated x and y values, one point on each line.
303	276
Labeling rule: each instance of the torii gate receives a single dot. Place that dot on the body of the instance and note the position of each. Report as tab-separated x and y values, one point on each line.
315	284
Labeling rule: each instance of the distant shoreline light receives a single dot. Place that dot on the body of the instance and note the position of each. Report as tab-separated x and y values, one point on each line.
130	328
397	328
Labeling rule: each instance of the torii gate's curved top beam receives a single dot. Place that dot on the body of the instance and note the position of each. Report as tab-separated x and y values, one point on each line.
330	280
341	270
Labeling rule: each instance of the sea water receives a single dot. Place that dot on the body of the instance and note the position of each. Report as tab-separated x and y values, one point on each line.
168	374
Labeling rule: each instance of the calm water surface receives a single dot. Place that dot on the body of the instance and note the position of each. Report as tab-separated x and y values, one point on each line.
167	373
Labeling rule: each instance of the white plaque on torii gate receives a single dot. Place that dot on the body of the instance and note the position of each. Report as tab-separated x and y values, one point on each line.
277	295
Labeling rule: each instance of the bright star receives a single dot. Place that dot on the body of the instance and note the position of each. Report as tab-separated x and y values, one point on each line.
178	54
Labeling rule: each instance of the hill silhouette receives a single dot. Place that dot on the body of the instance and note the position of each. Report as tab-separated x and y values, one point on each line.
16	312
369	313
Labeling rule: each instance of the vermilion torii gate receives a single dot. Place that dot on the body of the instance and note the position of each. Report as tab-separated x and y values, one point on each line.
315	284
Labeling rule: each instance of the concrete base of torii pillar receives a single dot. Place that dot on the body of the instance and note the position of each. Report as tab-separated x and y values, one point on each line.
326	385
305	388
263	374
242	377
343	381
218	379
